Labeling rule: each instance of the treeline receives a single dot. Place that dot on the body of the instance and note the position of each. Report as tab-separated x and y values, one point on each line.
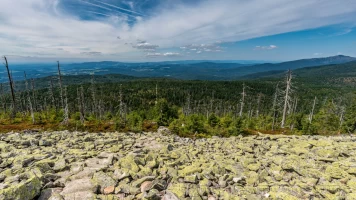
189	108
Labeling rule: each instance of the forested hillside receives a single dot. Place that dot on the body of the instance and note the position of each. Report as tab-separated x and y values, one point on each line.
291	104
341	75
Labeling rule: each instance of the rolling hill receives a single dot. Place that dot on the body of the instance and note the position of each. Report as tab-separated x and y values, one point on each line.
335	74
186	70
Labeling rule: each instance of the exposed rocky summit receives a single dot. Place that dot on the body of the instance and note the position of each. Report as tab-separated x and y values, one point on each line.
66	165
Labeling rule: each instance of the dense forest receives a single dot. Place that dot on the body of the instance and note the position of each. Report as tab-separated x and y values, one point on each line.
285	104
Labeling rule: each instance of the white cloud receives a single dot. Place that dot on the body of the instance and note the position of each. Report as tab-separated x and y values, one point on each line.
167	54
202	47
40	26
92	53
171	54
318	54
143	45
270	47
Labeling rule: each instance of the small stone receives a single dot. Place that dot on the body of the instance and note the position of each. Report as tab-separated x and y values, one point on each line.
153	195
109	190
138	182
44	143
50	193
170	196
164	131
145	186
191	179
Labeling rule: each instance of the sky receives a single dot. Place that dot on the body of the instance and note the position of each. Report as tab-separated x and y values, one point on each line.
158	30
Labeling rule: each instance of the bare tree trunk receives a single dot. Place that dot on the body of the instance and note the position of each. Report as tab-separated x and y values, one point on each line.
51	91
286	98
187	107
11	87
341	119
250	111
122	112
274	107
60	85
242	99
82	105
34	94
66	109
29	100
211	105
258	105
156	94
311	115
93	93
101	105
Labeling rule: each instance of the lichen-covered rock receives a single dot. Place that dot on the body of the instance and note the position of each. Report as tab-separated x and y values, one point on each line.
178	189
188	170
79	186
60	165
27	189
164	166
129	163
335	172
103	180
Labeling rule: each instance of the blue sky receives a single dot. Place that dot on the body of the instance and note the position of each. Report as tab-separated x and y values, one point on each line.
156	30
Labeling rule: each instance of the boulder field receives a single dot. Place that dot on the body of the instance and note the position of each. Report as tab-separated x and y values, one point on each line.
107	166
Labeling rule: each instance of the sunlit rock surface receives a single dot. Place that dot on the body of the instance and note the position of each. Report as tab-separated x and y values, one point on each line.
66	165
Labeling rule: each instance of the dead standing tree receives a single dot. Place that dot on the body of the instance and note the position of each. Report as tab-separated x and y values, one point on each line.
259	99
34	94
64	99
66	109
242	102
286	97
311	115
11	88
51	94
60	85
80	97
122	113
187	108
156	94
29	100
93	94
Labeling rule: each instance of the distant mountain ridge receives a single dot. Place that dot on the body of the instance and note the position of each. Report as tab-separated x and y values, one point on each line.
297	64
334	74
187	70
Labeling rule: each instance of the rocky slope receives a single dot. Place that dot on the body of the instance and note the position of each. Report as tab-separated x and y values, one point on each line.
65	165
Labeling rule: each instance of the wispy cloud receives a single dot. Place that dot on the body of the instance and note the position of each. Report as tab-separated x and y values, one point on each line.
43	25
145	46
199	48
270	47
93	53
168	54
120	8
109	9
99	13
